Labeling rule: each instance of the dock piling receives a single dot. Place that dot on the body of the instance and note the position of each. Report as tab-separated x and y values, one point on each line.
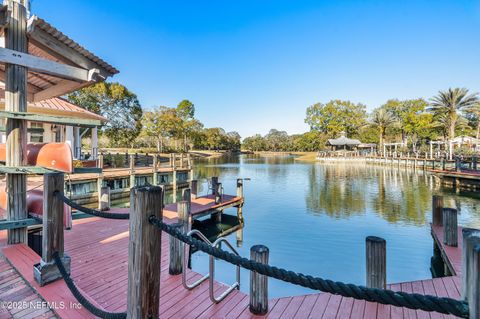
259	283
450	227
471	237
194	188
176	251
240	194
437	210
474	298
144	253
52	241
132	170
376	257
155	169
104	203
183	211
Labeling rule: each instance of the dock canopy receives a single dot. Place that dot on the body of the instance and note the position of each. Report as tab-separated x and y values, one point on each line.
56	64
343	141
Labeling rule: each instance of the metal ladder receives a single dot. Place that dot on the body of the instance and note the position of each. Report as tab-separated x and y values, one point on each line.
211	273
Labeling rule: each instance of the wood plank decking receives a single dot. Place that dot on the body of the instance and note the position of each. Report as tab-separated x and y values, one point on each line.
14	289
204	205
99	249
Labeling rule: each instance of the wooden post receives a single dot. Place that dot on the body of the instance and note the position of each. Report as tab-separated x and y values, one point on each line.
450	227
194	188
437	210
52	241
239	237
174	160
240	187
183	213
218	193
16	129
144	253
155	169
214	184
176	253
474	285
376	257
458	164
240	207
174	183
132	171
99	187
104	203
100	161
259	283
471	237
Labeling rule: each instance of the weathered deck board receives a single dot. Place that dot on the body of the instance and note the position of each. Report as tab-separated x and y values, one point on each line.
98	248
452	254
13	288
202	205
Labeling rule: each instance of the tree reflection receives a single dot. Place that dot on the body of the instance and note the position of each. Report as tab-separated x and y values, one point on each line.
344	190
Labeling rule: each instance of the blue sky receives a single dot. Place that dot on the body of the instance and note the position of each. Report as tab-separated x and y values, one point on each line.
254	65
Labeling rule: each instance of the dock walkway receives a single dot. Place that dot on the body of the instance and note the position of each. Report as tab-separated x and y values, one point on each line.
99	250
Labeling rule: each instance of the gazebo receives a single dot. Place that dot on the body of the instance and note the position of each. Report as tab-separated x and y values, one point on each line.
343	142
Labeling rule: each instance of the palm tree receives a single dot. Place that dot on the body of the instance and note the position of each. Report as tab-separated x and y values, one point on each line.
474	110
446	105
382	119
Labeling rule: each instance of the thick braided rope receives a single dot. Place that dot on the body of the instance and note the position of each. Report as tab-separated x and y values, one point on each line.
90	211
81	299
387	297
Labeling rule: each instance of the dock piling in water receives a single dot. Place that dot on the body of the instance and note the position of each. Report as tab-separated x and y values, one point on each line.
104	203
450	227
376	257
194	188
259	283
132	170
437	210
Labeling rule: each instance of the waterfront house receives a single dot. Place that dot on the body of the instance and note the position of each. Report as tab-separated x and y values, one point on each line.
76	123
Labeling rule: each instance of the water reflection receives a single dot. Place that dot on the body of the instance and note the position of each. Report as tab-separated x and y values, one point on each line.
315	217
343	190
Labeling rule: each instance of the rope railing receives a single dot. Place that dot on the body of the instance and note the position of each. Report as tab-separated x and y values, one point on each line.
90	211
81	298
388	297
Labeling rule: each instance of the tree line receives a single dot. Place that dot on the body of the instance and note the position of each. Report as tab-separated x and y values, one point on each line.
414	122
164	128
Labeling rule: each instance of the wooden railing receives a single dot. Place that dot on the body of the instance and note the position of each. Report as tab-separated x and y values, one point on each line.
127	160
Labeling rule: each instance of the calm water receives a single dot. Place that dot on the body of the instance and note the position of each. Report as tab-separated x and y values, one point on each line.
315	217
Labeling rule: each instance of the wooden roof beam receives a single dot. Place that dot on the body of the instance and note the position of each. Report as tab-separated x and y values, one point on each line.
40	65
64	87
59	50
64	120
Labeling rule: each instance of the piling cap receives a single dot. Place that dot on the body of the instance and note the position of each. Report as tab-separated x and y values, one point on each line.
375	239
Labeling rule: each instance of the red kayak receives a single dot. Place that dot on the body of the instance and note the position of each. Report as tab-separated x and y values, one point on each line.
35	206
57	156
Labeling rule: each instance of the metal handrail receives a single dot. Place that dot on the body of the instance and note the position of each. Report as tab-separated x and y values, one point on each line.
186	250
235	285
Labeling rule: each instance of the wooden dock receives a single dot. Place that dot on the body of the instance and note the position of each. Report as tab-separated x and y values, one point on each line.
99	250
